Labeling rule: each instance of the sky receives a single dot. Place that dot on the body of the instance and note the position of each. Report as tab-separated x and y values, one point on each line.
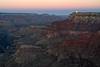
49	6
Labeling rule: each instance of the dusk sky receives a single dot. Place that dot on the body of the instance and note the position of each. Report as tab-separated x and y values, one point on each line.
49	6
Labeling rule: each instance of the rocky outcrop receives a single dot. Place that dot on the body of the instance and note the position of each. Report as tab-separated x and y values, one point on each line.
80	34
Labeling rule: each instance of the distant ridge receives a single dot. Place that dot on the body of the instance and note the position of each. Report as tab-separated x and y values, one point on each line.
29	18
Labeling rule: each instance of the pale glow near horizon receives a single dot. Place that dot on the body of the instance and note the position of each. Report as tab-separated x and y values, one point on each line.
49	4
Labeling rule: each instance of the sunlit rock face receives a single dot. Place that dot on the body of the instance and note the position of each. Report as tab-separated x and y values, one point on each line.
86	21
80	36
81	21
